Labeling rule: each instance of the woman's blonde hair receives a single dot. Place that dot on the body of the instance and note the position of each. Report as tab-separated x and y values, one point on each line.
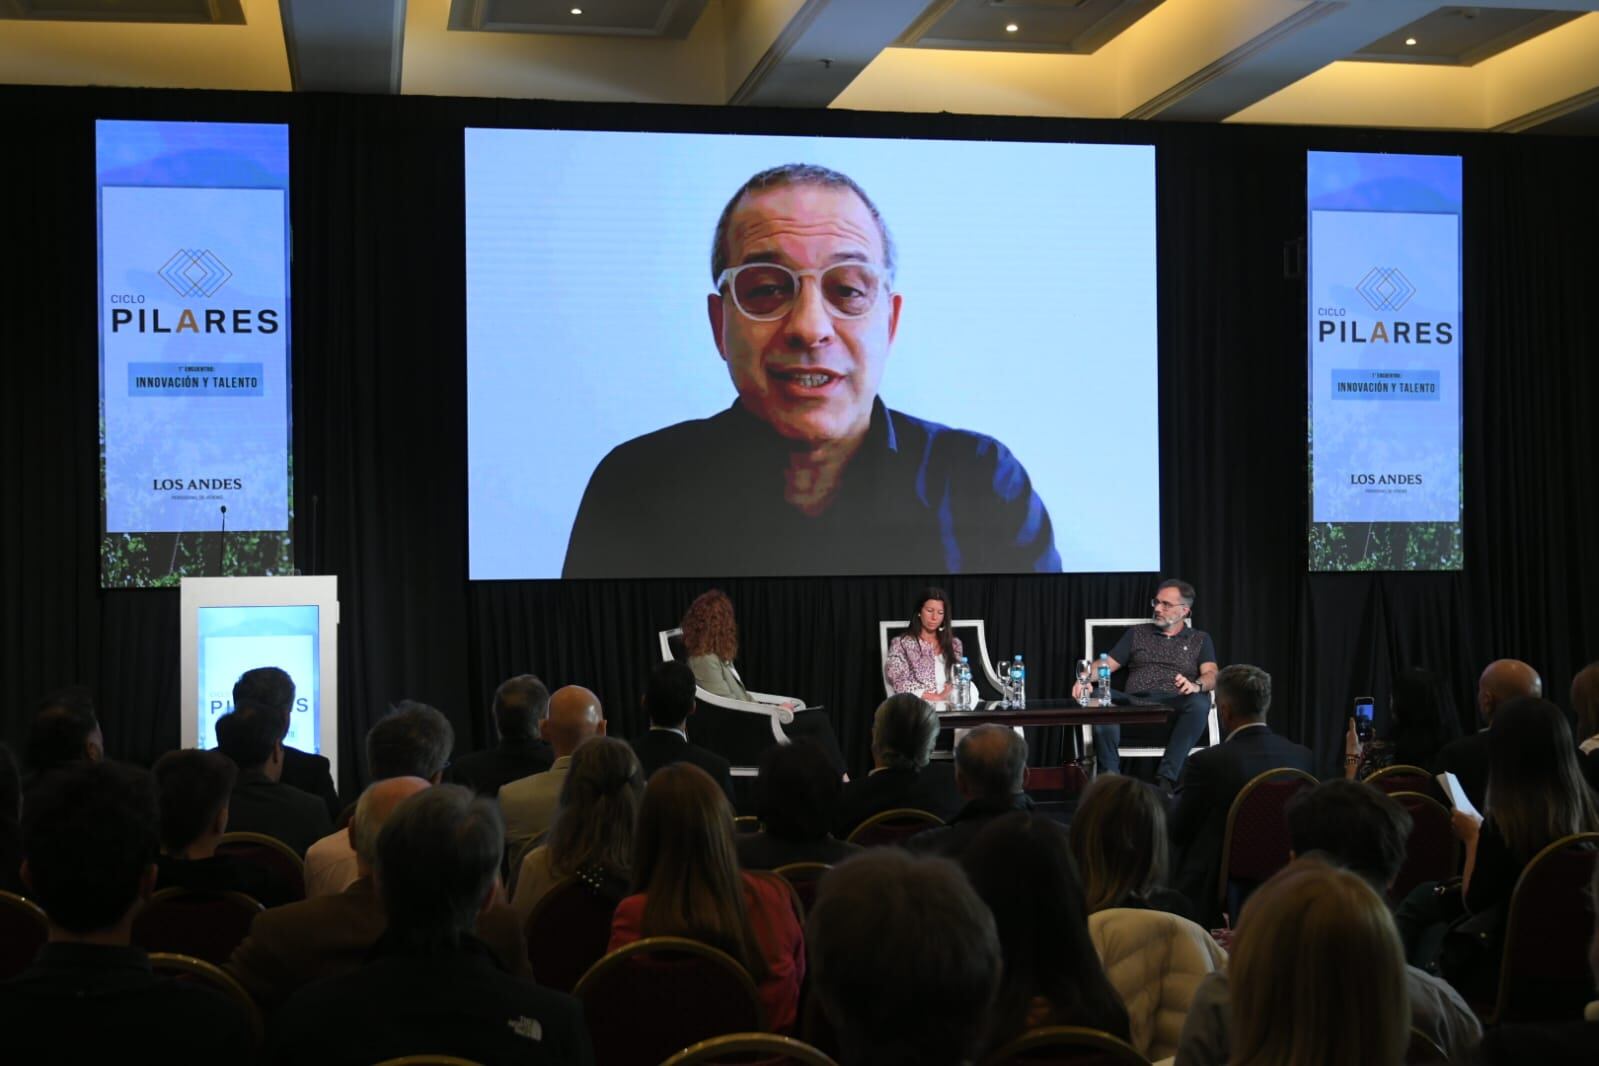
598	808
685	864
1318	974
1118	839
709	627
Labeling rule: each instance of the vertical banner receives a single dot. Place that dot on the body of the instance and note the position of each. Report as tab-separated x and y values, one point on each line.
194	350
1384	350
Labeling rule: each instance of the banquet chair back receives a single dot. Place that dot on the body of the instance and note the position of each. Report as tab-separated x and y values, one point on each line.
270	854
203	925
751	1049
650	999
1256	844
24	928
198	971
1431	852
1401	777
1544	973
567	932
1066	1044
893	826
803	878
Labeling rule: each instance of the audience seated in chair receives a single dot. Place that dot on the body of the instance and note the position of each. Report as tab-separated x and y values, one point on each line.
669	701
1356	827
412	740
1317	975
797	799
1573	1043
194	787
89	837
65	731
273	689
905	961
252	736
990	766
1467	758
291	946
10	823
593	832
521	704
1118	837
528	803
1021	867
688	884
430	984
1213	778
904	730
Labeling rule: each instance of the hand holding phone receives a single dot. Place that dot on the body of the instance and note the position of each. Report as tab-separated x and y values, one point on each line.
1365	708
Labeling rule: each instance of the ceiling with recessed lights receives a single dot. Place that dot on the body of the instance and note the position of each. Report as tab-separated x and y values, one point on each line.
1510	65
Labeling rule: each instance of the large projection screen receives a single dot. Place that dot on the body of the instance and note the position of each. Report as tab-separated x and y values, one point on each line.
988	406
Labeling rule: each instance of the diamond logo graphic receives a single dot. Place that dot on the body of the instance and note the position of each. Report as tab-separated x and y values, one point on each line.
1385	289
195	272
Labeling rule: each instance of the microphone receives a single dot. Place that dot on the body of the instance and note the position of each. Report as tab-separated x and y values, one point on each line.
222	542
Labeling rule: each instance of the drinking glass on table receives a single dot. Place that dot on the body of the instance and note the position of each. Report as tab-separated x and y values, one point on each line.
1084	688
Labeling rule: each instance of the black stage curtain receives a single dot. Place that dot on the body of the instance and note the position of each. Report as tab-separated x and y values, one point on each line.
380	452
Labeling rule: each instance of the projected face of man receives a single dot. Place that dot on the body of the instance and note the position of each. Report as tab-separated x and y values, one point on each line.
811	375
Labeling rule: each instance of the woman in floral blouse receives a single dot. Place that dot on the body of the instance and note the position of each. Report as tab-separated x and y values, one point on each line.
922	659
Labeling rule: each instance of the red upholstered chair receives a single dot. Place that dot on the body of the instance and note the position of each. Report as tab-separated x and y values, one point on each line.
1544	973
204	925
803	877
1256	844
654	997
280	861
1403	778
567	932
751	1049
893	827
188	968
1066	1044
1431	853
23	931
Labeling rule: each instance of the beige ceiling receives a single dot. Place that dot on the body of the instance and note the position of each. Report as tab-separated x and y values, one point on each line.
1270	61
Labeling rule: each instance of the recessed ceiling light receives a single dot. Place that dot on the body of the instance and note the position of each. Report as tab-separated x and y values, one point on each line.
1411	41
577	11
1011	27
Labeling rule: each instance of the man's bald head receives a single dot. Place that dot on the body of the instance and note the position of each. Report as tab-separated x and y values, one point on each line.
990	762
373	809
575	715
1505	680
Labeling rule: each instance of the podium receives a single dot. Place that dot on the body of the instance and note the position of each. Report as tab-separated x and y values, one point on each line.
228	625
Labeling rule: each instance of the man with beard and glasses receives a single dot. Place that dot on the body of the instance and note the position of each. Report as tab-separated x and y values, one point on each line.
808	471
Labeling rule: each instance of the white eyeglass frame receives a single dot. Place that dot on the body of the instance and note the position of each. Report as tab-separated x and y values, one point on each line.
724	279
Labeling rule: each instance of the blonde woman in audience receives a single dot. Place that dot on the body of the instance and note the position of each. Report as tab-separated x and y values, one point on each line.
592	836
1118	839
687	883
1318	974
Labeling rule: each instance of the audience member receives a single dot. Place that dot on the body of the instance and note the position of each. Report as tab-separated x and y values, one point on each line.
89	837
687	883
1585	707
669	701
65	730
520	705
1213	778
1356	827
1019	864
431	985
1118	838
1467	758
904	730
990	766
796	798
592	836
291	946
528	803
1571	1043
273	689
10	823
905	960
252	737
1420	724
1317	974
412	740
194	787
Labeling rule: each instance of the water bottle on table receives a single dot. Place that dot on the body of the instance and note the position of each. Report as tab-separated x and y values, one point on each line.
1102	688
963	684
1018	683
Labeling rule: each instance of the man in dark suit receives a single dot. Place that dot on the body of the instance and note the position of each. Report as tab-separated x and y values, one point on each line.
1467	758
429	982
520	704
291	946
273	689
669	701
904	729
251	736
990	766
89	842
1213	778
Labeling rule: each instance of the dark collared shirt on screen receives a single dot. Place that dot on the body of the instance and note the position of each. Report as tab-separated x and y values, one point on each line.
706	497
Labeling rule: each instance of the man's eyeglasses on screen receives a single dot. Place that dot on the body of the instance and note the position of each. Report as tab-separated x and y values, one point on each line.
767	291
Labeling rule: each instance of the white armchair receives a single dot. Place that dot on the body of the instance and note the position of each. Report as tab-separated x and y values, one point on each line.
1133	750
769	707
